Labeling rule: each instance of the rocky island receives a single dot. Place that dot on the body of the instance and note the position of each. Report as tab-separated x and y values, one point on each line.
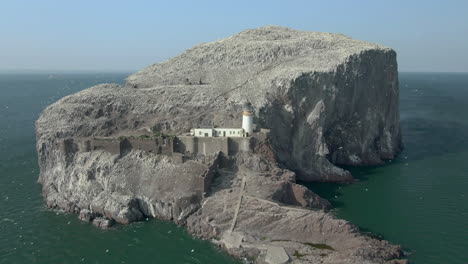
114	153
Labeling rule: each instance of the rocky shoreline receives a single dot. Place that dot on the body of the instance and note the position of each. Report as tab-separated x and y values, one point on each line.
327	99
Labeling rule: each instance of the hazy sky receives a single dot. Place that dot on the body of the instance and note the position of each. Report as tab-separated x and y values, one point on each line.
103	35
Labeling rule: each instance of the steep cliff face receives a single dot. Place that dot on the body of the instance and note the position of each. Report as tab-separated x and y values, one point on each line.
348	116
326	98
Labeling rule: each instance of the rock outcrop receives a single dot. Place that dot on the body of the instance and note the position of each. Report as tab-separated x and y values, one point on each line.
326	98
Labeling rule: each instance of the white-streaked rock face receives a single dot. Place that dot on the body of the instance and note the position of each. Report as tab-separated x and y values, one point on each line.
285	73
276	51
326	98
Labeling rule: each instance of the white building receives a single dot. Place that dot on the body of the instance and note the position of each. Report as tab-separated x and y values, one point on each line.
217	132
245	131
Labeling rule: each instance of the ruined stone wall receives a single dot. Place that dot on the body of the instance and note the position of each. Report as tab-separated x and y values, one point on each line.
208	176
202	145
159	145
165	145
148	145
107	144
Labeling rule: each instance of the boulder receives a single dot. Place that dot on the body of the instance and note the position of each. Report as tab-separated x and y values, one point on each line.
276	255
103	223
86	215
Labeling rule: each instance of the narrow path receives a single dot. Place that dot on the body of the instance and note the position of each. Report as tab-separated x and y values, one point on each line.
236	212
304	210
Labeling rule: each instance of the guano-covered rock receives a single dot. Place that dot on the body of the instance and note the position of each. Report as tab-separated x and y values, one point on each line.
326	100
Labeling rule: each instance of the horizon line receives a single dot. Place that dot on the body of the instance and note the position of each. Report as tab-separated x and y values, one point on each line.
46	71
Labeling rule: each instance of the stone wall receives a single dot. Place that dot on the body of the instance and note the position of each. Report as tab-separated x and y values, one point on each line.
212	145
159	145
108	144
237	145
209	174
201	145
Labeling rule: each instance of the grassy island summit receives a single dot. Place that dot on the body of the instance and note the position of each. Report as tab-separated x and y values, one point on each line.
215	139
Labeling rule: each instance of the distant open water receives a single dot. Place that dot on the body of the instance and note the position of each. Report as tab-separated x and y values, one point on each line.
419	200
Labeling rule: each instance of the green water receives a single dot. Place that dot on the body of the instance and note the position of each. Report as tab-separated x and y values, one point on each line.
29	233
420	199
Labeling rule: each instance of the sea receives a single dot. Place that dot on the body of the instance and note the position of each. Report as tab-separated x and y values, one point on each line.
418	200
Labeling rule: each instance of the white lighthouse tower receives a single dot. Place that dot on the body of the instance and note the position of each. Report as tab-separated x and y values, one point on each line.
247	119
